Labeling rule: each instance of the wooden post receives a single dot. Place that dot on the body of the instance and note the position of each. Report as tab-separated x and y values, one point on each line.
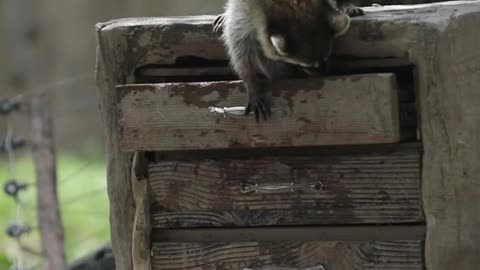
51	228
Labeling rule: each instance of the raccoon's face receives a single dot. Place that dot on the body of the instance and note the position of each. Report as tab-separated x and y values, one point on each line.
306	39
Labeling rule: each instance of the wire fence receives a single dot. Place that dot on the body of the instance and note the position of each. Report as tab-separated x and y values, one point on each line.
49	87
16	189
13	187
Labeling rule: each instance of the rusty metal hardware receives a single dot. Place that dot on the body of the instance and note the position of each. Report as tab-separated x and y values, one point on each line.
246	188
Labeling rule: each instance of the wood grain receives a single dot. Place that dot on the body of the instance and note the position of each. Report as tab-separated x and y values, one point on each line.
346	189
141	233
120	194
344	255
450	120
356	109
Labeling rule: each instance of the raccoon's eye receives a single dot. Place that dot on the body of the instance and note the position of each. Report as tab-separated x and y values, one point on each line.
279	43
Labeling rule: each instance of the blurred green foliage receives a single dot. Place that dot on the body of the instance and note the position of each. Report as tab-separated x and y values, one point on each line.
83	203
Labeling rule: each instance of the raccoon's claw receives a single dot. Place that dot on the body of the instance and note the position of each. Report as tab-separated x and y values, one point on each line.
352	10
260	106
218	23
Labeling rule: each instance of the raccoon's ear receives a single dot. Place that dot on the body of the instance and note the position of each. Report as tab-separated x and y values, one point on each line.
340	23
279	43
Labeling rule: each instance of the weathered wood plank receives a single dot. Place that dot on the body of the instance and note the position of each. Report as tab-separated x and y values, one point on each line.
141	233
344	255
357	109
331	189
122	210
450	120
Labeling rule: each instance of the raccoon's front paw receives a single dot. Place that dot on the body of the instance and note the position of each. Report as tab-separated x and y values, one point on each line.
260	106
352	10
218	23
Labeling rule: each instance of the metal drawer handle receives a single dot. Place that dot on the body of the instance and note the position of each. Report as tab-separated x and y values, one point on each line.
320	267
237	111
246	188
232	111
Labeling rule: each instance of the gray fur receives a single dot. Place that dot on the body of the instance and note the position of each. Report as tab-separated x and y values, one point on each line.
304	28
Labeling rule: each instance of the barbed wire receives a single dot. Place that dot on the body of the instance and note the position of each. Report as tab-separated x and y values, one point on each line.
51	86
13	187
86	195
30	206
76	172
80	212
9	149
63	180
69	212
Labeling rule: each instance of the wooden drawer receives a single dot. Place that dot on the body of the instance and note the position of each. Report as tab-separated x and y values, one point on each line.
316	255
355	109
372	187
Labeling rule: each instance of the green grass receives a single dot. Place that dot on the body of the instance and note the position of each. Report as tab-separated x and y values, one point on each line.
83	202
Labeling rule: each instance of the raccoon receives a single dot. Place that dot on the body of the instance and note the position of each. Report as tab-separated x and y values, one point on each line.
279	39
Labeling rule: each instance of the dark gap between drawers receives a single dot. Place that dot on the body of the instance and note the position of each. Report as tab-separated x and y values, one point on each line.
291	233
283	151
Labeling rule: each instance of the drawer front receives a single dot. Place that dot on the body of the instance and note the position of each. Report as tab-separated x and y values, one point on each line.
362	188
357	109
342	255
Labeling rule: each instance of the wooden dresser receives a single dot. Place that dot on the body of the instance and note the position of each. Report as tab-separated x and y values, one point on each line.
374	167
